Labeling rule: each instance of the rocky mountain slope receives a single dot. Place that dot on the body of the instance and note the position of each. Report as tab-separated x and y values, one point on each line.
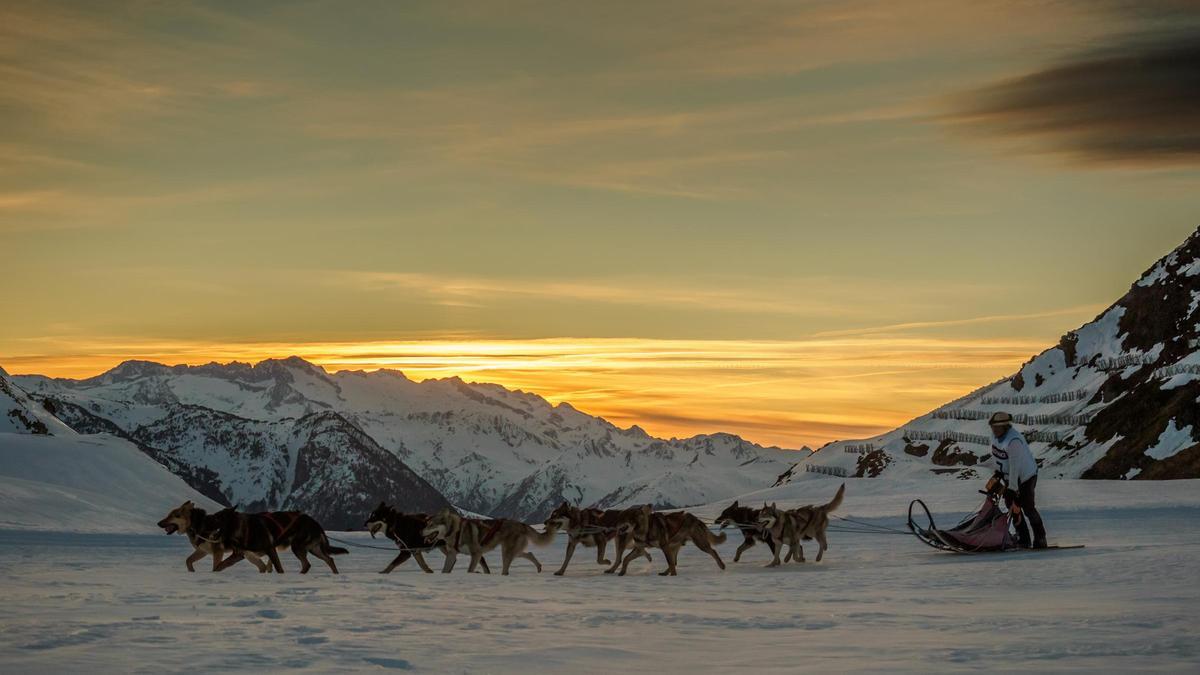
1117	398
20	414
244	432
319	463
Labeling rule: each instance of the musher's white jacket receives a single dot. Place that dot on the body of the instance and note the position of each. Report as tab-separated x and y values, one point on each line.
1012	458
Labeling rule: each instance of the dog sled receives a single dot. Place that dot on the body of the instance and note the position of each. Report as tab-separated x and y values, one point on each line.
985	531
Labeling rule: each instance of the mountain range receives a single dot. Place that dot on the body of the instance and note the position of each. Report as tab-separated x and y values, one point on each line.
284	433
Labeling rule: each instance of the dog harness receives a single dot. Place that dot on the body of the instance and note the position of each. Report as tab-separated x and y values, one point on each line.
281	529
491	532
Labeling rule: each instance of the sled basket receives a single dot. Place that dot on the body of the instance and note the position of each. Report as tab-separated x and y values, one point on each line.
985	530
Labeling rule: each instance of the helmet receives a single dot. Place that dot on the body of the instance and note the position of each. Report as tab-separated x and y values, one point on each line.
1000	418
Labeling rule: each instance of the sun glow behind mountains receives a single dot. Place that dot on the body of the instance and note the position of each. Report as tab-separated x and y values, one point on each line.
787	393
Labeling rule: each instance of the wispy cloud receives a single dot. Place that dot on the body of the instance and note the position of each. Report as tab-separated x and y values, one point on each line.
1080	312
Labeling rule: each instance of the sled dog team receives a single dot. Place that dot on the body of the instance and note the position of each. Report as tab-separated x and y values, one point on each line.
633	531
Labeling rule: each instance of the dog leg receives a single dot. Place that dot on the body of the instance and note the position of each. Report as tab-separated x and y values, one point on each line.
230	561
325	558
274	557
701	542
263	567
399	560
822	543
451	558
476	556
196	555
628	559
506	557
421	562
620	551
775	562
671	554
299	551
567	558
601	544
742	548
533	559
798	552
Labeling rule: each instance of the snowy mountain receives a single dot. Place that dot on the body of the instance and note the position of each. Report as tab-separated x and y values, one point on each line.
319	463
22	415
237	431
1117	398
84	483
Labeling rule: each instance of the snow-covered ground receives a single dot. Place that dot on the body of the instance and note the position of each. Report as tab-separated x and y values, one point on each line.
124	603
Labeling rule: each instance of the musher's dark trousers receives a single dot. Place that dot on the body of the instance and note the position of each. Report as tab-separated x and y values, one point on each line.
1029	513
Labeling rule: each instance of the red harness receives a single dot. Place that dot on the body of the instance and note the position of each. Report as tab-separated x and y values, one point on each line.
491	532
281	529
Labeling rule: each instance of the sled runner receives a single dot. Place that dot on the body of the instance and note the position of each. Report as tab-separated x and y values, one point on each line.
985	531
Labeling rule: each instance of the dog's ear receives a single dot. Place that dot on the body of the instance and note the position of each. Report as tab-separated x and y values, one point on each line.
734	504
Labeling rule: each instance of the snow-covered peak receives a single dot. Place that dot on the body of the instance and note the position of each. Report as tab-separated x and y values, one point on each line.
1119	397
20	414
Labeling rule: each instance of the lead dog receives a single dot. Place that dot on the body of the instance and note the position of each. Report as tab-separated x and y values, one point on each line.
806	522
202	531
263	533
745	519
477	537
592	527
405	529
669	532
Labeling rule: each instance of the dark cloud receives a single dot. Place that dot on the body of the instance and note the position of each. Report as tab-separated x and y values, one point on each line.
1136	102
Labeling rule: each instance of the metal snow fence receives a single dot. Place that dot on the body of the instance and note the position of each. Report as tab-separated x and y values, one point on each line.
1044	436
1065	419
1076	395
827	470
961	414
860	448
1009	400
1122	362
958	436
1178	369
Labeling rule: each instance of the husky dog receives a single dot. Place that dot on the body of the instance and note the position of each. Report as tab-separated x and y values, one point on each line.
745	519
203	532
405	529
477	537
590	527
669	532
806	522
263	533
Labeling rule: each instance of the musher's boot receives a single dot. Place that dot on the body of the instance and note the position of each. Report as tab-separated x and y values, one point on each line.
1039	543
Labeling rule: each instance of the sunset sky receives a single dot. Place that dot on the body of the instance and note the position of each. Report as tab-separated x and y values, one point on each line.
795	221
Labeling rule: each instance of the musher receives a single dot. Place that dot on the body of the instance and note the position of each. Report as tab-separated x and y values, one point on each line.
1017	470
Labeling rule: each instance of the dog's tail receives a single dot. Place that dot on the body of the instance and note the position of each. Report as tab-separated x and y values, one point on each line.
716	537
541	538
837	500
330	549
